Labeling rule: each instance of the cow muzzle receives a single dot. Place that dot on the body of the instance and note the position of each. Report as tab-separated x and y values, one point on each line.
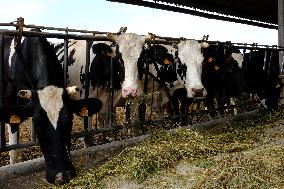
131	92
26	94
199	93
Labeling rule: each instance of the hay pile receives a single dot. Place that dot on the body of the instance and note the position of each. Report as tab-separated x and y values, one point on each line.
245	155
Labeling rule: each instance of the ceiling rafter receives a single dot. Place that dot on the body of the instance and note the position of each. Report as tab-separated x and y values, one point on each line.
262	13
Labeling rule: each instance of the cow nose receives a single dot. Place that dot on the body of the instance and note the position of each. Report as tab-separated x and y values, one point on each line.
25	94
77	89
198	92
22	93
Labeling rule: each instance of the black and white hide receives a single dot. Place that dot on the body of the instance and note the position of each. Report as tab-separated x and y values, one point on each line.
123	51
179	69
52	111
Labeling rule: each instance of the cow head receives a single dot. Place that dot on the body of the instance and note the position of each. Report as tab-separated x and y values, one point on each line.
189	53
130	46
57	102
52	109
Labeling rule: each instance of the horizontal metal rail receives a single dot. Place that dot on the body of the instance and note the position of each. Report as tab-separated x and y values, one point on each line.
53	28
54	35
93	33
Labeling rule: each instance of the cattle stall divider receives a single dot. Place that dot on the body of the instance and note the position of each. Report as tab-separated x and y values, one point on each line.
85	35
2	124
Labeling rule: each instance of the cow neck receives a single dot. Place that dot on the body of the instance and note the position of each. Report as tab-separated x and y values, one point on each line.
18	51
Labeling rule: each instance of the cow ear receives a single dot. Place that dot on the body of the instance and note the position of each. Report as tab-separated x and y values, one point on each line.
87	107
26	94
204	44
16	114
112	37
174	45
72	91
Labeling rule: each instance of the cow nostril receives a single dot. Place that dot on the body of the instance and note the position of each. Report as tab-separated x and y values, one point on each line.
77	89
193	89
22	93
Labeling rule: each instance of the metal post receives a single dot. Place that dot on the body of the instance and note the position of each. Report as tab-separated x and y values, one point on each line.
65	64
111	109
281	41
2	124
281	30
142	106
87	86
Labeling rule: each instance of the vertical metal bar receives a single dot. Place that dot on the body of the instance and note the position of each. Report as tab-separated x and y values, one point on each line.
65	64
87	81
2	124
281	31
281	42
111	109
87	86
142	106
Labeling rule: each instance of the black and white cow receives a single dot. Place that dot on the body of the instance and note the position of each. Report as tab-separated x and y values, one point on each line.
123	50
178	67
35	72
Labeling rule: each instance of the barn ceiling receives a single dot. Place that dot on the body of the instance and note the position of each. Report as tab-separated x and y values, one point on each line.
263	13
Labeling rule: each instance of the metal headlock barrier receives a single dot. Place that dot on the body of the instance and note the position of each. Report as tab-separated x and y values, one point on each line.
91	36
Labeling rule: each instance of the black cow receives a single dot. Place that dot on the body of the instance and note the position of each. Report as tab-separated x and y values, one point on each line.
33	70
262	76
222	77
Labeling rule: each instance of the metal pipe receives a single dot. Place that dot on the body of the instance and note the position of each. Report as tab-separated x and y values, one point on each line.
281	31
111	108
65	63
87	86
54	35
2	124
52	28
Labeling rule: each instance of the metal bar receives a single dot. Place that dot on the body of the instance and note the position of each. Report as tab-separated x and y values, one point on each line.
111	108
52	28
281	31
2	124
65	63
87	65
19	146
54	35
87	86
162	40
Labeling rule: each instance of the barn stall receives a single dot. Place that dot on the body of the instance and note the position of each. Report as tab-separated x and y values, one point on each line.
243	46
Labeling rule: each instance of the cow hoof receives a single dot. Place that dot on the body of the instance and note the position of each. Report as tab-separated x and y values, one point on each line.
60	180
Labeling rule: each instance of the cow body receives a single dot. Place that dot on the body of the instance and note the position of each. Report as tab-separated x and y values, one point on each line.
34	70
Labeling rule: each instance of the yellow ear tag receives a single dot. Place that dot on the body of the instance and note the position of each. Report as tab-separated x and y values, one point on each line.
216	67
84	112
210	59
167	61
277	86
15	119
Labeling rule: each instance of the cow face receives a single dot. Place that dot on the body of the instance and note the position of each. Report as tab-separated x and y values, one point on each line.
189	53
130	46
